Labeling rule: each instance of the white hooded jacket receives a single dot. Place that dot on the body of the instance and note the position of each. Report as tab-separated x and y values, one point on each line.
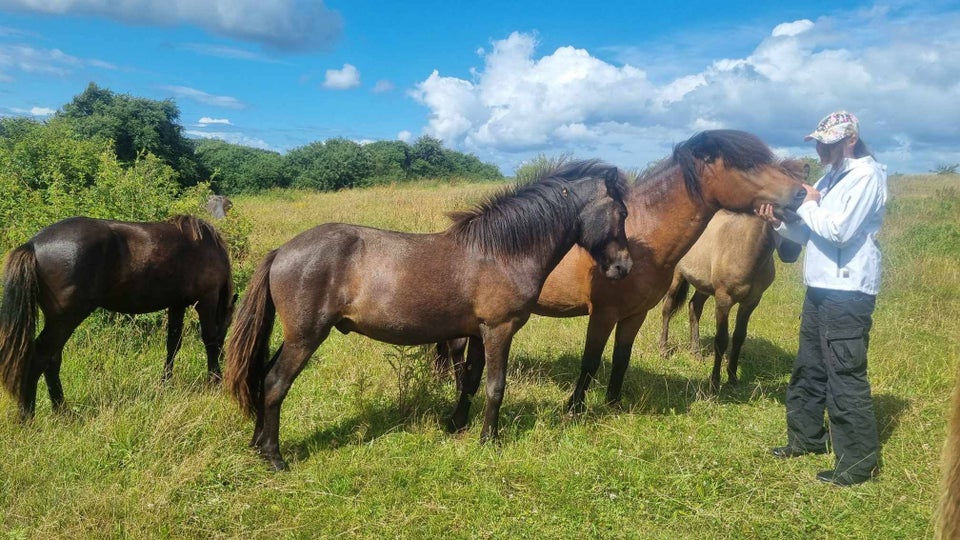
840	232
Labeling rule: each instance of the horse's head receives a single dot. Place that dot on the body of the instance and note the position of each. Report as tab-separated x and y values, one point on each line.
739	172
602	230
218	206
787	250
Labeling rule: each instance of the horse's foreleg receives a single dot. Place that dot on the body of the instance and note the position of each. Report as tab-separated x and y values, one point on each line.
696	311
174	335
598	331
626	333
739	336
496	344
291	361
722	337
469	373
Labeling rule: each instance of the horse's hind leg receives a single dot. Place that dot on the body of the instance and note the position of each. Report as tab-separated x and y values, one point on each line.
623	339
211	336
739	336
52	377
290	362
696	311
48	357
722	337
174	339
469	376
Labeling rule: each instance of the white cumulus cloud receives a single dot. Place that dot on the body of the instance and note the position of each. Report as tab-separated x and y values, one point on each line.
342	79
206	120
900	76
35	111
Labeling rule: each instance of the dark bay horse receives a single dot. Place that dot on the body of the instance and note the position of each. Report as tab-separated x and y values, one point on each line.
481	277
79	264
669	207
733	262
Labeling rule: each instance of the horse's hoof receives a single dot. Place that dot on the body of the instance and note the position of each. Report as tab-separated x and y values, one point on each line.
214	379
276	462
454	426
614	402
576	409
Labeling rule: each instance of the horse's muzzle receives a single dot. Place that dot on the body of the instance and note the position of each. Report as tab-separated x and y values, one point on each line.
619	267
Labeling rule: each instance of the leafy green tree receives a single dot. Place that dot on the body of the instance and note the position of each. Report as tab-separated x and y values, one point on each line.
39	154
427	158
329	166
391	160
241	169
135	125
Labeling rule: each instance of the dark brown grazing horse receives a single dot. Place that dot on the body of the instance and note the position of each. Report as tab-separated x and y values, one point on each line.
79	264
480	277
669	207
733	262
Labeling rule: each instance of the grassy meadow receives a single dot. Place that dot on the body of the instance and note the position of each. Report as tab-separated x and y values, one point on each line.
362	426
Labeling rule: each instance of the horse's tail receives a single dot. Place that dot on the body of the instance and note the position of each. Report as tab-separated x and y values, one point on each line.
249	342
679	296
948	516
18	317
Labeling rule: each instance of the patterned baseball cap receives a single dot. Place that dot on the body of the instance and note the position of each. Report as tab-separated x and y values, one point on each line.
835	127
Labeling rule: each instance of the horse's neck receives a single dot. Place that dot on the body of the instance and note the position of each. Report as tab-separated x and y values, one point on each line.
665	218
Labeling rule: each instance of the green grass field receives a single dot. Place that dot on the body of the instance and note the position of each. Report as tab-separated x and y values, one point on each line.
362	426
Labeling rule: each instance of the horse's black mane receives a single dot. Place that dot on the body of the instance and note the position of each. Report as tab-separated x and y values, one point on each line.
738	149
197	228
520	218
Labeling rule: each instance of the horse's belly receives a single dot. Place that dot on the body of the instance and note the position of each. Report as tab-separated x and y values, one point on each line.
403	333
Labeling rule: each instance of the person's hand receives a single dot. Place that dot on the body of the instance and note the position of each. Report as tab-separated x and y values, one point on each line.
812	194
766	213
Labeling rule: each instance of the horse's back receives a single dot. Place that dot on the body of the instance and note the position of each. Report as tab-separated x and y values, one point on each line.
734	254
392	286
131	267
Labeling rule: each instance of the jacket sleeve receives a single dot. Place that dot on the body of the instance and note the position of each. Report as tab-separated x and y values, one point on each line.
863	194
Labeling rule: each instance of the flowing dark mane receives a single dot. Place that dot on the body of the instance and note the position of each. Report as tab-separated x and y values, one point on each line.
738	149
519	218
196	229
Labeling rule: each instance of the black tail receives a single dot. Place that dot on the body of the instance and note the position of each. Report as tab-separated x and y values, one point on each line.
18	318
249	342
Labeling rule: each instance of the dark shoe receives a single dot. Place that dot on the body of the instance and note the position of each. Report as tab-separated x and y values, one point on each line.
786	452
841	478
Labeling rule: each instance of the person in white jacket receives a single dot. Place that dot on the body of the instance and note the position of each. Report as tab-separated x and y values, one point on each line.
838	223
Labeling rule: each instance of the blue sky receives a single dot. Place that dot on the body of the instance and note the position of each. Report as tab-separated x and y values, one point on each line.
505	80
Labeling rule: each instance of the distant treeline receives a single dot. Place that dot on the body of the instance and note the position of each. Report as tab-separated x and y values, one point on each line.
67	147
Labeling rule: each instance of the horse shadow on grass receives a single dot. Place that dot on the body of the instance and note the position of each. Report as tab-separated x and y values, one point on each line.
764	373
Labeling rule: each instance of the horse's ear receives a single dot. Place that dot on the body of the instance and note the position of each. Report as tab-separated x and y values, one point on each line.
612	181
